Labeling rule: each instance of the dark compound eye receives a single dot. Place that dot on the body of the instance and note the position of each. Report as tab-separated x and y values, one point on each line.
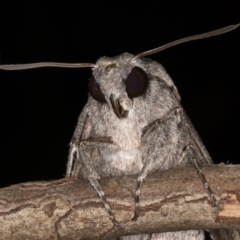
136	82
95	91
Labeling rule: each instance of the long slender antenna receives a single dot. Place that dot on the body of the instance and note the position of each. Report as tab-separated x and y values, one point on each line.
143	54
188	39
45	64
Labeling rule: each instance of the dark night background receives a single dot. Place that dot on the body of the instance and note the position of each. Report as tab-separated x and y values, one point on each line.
40	107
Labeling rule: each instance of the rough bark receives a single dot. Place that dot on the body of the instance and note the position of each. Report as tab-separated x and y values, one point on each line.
171	200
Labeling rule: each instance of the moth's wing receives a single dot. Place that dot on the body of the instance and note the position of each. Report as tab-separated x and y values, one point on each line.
159	71
204	157
223	234
161	75
84	162
82	131
201	151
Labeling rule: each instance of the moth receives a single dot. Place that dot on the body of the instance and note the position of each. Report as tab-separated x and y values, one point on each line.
133	123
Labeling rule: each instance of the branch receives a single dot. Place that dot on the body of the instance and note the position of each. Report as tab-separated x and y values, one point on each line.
70	209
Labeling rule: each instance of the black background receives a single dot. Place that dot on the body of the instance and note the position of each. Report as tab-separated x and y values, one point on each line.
40	107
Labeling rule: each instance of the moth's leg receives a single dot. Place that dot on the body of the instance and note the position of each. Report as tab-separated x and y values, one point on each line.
196	164
73	156
184	152
93	176
196	139
77	155
150	134
140	180
74	151
201	156
165	137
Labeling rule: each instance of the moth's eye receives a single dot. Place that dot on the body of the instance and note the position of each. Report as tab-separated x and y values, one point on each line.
95	91
136	82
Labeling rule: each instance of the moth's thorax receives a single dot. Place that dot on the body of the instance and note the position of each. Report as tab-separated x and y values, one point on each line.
126	133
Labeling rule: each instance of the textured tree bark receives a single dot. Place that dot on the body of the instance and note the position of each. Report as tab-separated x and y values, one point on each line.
171	200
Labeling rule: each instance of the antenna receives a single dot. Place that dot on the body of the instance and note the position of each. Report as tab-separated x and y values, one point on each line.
143	54
45	64
188	39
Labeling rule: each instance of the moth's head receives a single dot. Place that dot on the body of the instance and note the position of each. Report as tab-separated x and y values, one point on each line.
117	81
